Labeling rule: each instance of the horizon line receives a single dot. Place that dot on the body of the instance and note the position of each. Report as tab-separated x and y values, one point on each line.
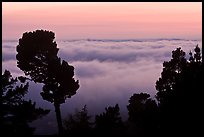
113	39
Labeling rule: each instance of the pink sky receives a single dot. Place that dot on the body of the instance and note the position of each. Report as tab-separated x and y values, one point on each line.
118	20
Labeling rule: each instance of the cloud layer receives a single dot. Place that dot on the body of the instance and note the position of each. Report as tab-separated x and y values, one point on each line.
109	71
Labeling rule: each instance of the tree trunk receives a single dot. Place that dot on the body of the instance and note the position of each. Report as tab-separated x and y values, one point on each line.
59	118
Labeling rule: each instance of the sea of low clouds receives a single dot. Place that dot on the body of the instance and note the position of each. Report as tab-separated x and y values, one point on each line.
109	72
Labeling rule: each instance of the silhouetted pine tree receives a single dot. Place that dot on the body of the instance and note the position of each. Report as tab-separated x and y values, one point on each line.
37	57
180	93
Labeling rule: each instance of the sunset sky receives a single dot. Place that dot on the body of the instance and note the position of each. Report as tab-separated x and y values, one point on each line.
118	20
118	48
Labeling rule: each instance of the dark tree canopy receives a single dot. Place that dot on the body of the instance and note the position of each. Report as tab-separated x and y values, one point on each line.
140	105
170	75
179	93
60	83
16	112
78	123
176	75
35	50
37	57
109	122
11	93
143	114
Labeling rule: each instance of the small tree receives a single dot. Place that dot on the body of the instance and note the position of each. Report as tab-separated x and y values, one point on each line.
37	57
16	112
143	114
109	122
79	123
